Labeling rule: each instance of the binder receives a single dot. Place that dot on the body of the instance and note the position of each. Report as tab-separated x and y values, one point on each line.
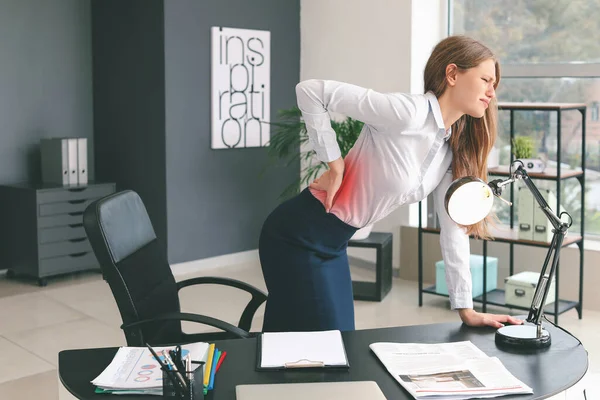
72	160
323	349
542	227
82	167
526	210
55	164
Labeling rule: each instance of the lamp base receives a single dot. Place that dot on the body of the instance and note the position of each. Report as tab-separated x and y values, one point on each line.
522	336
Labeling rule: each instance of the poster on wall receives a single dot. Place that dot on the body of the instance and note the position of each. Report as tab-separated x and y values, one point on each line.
240	86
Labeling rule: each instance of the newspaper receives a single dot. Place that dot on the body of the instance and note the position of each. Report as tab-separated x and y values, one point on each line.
454	371
134	370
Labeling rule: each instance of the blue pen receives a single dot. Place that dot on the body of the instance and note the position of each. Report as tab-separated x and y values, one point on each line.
213	369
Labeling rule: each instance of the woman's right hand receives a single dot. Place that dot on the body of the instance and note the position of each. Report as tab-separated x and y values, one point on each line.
330	181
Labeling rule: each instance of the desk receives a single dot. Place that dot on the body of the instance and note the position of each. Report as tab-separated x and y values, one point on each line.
547	372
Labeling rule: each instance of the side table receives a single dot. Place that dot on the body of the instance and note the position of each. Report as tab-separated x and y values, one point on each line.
375	291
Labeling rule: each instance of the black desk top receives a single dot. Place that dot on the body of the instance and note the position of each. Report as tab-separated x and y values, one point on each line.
547	372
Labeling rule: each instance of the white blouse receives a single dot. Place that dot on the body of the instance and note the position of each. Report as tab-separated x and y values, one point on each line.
401	156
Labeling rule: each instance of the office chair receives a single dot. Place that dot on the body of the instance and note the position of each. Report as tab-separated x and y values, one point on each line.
136	268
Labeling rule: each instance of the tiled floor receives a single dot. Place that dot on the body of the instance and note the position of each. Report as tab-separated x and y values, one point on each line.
79	311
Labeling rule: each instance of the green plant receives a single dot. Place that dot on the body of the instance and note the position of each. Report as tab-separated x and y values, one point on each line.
523	147
289	139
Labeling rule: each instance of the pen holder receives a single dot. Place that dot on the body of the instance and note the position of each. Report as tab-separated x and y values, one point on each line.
174	388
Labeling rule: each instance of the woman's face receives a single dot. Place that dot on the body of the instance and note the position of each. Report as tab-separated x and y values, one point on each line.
473	88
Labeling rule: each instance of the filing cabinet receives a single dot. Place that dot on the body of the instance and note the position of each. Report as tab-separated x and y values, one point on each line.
41	228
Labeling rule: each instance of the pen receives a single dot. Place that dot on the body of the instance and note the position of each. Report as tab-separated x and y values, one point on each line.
209	359
188	366
213	370
162	366
223	354
175	357
174	368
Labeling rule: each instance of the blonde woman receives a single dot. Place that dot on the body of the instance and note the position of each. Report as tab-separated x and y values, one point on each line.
410	146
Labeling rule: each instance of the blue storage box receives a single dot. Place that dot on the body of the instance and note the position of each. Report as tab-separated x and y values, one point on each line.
476	275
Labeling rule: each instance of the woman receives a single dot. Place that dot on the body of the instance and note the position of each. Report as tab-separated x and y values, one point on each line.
410	146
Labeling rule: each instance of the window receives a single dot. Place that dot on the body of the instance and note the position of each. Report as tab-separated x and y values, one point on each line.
549	52
532	31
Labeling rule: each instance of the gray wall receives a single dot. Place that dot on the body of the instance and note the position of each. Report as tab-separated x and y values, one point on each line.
216	200
45	81
129	100
152	118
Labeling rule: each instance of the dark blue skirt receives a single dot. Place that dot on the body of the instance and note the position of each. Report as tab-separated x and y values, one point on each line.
303	256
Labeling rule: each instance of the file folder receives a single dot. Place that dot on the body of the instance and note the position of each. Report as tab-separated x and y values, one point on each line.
288	350
55	161
82	167
526	210
72	160
542	227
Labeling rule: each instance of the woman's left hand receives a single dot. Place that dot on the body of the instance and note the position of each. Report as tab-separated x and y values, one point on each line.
474	318
330	181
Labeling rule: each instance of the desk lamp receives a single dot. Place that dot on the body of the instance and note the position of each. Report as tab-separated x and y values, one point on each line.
469	200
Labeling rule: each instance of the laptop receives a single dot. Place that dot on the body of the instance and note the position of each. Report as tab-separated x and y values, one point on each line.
359	390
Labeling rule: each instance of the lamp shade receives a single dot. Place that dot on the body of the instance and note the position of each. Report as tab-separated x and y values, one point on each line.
468	200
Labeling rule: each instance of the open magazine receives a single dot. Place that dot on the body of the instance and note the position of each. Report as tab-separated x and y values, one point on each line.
454	371
134	370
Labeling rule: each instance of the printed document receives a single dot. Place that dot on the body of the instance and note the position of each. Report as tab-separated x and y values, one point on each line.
458	370
134	370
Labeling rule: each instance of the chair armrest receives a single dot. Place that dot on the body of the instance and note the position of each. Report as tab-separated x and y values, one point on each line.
258	296
255	292
203	319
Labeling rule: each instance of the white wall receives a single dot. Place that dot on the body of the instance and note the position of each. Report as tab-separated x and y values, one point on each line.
380	44
429	26
363	42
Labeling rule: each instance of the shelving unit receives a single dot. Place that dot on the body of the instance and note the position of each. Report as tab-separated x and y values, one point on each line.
509	234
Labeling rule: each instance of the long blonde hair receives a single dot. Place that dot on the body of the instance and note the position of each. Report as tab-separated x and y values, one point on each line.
472	138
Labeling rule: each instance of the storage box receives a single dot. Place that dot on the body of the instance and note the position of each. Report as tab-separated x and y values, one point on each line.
520	288
476	262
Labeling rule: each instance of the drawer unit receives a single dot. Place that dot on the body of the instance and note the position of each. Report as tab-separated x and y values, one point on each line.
65	248
61	233
42	234
69	263
59	220
65	207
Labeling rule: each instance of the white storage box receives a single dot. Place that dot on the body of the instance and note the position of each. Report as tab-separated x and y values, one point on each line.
520	288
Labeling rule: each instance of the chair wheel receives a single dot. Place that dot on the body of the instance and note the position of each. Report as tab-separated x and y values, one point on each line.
10	273
42	282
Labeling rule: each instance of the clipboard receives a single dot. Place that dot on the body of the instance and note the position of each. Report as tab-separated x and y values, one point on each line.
302	363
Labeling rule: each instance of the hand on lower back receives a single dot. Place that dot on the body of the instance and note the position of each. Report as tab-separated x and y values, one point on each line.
330	181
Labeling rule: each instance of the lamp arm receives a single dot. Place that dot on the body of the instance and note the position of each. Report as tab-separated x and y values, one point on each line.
556	222
536	311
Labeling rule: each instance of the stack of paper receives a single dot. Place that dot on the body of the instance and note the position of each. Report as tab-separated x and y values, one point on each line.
302	349
134	370
454	371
